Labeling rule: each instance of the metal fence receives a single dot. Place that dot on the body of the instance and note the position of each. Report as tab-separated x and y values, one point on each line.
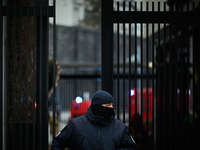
73	84
150	63
154	74
24	51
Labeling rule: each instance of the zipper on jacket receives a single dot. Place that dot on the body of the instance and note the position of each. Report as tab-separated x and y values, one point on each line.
98	137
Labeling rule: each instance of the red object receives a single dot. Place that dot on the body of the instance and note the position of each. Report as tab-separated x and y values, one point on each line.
141	112
144	103
78	109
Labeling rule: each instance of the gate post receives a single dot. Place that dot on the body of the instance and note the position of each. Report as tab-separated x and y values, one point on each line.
42	77
107	46
1	77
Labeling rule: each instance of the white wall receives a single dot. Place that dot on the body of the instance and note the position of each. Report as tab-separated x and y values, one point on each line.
68	12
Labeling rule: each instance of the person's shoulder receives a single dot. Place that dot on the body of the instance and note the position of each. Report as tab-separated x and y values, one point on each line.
119	127
118	121
118	124
79	119
79	122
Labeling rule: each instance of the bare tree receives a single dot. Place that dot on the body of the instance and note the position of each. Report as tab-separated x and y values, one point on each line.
92	14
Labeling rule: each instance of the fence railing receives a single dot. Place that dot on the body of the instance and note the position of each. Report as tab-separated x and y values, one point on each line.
156	53
24	31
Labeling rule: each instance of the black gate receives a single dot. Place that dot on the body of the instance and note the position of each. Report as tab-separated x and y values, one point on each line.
24	65
154	75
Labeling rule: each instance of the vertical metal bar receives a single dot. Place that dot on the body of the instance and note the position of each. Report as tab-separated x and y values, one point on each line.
39	76
27	72
135	77
193	77
197	137
46	76
107	46
129	69
54	57
176	84
171	87
187	80
20	95
7	72
1	76
141	73
118	64
182	83
160	98
164	88
124	50
34	76
42	74
153	88
14	70
147	77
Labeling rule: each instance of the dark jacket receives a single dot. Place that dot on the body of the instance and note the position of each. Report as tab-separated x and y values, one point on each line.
91	132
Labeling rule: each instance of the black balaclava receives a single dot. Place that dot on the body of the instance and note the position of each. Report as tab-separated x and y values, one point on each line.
102	111
99	98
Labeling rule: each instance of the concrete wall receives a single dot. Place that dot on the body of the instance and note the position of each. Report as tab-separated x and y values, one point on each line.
76	45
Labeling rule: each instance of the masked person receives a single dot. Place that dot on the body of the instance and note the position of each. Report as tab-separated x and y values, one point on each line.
98	129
